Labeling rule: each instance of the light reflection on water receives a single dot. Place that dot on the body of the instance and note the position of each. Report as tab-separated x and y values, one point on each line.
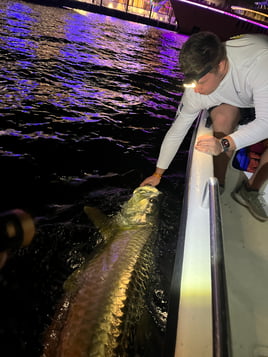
73	60
85	102
90	73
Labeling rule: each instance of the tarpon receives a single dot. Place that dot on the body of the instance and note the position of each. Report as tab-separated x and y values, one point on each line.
104	298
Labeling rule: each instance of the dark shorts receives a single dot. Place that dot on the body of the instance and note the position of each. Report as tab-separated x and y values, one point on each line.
246	116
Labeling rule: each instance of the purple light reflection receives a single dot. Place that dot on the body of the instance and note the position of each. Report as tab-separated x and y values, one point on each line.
171	43
85	119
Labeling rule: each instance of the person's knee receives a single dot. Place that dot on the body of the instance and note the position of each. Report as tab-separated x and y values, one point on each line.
221	124
225	119
219	118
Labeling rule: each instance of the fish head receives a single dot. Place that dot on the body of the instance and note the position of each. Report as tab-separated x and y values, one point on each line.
142	207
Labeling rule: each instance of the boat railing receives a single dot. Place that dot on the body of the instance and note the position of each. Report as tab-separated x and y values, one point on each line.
220	310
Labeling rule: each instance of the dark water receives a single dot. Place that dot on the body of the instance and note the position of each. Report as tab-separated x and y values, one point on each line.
85	102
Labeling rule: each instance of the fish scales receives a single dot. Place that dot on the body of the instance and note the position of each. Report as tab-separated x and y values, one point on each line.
106	298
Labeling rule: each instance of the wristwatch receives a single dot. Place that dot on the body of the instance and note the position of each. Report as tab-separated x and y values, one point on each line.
225	144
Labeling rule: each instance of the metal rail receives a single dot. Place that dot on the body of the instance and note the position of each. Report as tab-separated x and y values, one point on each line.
220	310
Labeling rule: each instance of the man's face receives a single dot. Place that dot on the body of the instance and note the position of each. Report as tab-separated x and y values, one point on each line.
207	84
210	81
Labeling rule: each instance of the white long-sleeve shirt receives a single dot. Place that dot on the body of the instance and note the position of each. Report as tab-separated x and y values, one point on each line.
245	85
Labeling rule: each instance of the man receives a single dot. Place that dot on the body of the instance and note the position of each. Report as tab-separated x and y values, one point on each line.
222	78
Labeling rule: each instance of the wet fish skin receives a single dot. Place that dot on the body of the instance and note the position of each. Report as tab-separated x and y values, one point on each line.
104	299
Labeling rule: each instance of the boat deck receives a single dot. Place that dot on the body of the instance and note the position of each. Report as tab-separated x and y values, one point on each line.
246	264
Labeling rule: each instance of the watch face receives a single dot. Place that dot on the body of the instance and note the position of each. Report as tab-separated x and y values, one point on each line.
225	144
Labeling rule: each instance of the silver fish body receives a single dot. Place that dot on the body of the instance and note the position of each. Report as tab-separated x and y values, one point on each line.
104	299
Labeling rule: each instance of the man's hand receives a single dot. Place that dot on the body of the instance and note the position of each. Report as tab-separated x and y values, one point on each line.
209	145
154	179
151	180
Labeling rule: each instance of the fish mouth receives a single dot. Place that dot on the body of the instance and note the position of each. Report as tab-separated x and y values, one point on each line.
147	189
142	207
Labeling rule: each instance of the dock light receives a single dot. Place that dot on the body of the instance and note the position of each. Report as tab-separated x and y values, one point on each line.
191	80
